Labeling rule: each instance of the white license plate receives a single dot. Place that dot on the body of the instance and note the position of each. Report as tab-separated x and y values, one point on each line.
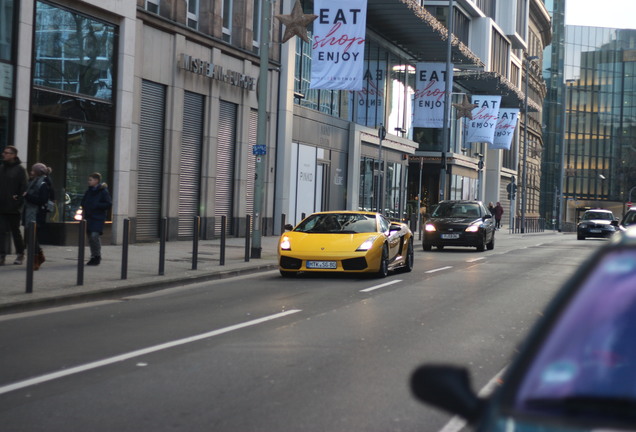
595	231
450	236
321	264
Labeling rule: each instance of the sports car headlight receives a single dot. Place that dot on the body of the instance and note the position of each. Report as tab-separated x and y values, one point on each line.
430	228
472	228
367	244
285	244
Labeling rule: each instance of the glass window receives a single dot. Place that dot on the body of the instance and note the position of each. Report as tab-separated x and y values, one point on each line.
73	53
227	20
4	123
6	28
193	14
256	22
152	6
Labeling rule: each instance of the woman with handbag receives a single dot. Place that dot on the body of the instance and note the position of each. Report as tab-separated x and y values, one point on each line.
38	193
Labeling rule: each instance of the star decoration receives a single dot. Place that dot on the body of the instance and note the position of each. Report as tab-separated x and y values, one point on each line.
296	23
465	109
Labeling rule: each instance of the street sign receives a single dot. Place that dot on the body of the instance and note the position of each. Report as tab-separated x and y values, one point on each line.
628	203
259	149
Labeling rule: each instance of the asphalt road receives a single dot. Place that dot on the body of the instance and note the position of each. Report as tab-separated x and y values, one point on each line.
263	353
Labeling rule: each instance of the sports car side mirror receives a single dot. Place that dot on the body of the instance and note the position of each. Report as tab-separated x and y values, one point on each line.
448	388
289	227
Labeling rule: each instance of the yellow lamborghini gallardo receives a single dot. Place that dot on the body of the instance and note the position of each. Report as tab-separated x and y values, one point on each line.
346	241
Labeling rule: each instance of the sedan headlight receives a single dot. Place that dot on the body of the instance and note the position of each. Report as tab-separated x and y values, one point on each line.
430	228
285	244
367	244
472	228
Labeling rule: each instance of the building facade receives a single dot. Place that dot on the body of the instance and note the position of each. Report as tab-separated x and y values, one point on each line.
160	96
592	97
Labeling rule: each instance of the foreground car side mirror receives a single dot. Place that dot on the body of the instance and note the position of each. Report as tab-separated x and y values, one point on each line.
448	388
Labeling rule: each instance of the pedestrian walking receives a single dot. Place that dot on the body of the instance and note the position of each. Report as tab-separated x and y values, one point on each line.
38	193
95	205
491	208
499	211
13	181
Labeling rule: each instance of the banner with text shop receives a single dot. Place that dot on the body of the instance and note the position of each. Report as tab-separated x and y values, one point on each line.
430	88
337	57
482	127
505	130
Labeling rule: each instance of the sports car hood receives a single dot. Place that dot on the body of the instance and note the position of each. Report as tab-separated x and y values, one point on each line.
307	242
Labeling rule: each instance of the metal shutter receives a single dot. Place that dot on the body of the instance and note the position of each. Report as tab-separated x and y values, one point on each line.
150	168
190	162
251	164
225	166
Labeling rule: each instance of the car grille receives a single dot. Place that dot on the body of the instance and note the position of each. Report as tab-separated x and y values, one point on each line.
354	264
290	263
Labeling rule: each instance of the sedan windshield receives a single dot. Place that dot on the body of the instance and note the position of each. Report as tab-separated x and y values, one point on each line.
457	210
338	223
598	215
587	363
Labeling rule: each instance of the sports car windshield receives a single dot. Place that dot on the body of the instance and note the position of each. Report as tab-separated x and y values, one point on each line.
457	210
587	363
338	223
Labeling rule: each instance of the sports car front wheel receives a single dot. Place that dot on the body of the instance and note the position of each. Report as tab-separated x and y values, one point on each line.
384	263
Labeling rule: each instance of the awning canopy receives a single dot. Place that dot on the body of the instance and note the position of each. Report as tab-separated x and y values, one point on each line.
493	83
411	27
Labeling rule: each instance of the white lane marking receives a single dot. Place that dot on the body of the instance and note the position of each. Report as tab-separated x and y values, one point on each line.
127	356
457	423
475	259
438	269
381	285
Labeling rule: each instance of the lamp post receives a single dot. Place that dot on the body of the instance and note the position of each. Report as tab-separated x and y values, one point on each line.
524	193
447	99
381	136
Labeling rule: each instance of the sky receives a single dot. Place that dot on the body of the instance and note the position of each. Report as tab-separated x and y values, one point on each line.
605	13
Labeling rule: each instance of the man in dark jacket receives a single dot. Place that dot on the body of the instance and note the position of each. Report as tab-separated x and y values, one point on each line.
95	205
13	183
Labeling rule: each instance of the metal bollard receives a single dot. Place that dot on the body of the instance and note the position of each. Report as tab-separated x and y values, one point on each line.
163	233
124	250
248	231
195	241
31	232
80	251
222	252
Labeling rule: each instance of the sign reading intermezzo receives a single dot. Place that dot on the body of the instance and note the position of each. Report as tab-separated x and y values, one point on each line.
429	98
205	68
337	57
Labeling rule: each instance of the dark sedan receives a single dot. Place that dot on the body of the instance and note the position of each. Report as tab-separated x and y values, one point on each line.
459	223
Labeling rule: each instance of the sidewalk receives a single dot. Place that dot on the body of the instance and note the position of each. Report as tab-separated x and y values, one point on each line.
56	281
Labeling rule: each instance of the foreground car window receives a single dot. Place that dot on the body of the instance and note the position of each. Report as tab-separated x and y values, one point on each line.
586	367
338	223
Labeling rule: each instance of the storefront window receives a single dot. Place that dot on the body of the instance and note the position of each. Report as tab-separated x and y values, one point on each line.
73	53
72	102
6	28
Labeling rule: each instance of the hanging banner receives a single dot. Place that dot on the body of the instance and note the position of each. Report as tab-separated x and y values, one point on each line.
482	127
369	101
505	129
430	89
337	57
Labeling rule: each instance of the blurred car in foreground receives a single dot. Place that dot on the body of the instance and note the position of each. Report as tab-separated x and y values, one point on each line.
459	223
596	223
346	241
576	371
628	219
